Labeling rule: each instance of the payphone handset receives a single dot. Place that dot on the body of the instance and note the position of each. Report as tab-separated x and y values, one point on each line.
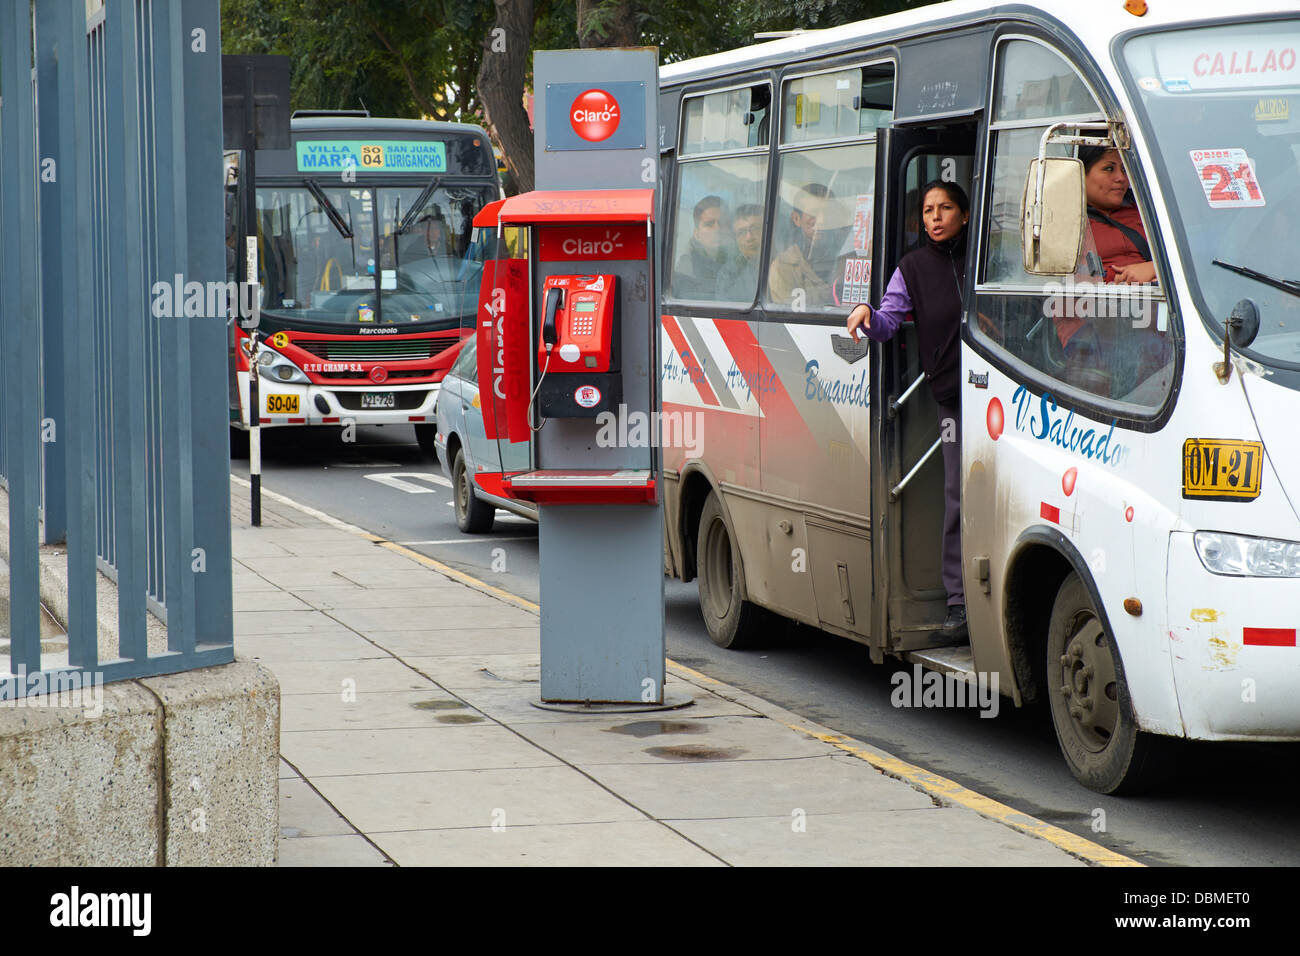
577	324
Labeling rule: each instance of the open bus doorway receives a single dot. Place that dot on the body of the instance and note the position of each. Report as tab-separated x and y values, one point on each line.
907	473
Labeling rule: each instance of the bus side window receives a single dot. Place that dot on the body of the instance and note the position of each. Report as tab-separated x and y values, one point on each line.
717	226
820	256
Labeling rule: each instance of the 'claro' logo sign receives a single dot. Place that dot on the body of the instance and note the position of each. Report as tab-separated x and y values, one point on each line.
594	115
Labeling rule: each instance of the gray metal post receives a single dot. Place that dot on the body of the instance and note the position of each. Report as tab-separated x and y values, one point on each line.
77	429
169	46
21	333
208	371
51	195
127	307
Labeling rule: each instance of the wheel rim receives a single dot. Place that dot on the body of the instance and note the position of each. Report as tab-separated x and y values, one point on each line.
1089	685
462	491
717	569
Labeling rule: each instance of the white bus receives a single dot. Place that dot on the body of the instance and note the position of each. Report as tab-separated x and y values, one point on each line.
1130	505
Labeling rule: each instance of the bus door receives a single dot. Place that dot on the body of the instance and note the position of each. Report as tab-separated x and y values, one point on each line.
907	467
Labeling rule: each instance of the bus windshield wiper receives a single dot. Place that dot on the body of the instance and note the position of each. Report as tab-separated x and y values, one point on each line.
1286	285
331	212
409	219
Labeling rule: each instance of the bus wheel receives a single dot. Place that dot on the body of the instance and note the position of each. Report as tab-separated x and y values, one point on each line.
472	516
1091	708
425	435
730	620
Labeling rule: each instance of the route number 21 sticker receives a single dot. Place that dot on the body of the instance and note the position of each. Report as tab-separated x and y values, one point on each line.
1228	178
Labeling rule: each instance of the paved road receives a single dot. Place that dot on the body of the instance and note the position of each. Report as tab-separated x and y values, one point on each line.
1233	805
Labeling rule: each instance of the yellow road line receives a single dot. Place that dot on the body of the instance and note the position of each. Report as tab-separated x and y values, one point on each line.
461	576
954	793
690	672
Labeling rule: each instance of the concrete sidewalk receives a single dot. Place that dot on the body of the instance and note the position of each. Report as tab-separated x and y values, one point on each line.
408	737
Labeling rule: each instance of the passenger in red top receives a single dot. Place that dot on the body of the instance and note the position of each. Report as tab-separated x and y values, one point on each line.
1116	223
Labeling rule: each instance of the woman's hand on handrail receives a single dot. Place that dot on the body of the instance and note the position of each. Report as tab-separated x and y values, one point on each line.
859	318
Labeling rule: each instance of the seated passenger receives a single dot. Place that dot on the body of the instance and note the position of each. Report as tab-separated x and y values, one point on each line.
737	281
793	269
1110	352
695	275
1114	219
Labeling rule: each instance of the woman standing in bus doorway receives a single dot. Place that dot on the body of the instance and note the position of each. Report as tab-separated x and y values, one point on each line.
928	283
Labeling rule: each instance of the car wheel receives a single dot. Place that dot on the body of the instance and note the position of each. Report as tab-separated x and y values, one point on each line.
472	515
1091	708
427	436
730	620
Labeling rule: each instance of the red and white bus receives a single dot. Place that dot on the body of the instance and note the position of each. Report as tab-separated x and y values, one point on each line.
368	278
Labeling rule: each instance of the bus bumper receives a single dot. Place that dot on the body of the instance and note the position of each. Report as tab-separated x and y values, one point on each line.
341	405
1234	650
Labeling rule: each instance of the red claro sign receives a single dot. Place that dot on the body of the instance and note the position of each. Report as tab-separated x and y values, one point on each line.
562	243
594	115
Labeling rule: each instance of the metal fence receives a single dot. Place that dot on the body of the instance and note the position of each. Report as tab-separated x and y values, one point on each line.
113	371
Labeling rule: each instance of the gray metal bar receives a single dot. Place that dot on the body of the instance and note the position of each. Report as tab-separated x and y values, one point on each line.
21	333
897	490
77	430
51	228
899	402
210	420
126	325
174	332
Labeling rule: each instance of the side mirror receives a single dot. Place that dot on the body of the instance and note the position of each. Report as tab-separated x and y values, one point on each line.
1052	216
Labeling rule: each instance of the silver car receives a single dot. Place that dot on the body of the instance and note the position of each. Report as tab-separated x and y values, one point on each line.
465	450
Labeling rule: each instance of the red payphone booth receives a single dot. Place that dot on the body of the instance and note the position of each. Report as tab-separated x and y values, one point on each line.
556	332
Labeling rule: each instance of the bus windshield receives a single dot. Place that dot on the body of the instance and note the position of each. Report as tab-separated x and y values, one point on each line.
1224	110
369	255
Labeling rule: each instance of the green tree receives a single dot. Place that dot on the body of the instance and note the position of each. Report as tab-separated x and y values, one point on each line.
444	58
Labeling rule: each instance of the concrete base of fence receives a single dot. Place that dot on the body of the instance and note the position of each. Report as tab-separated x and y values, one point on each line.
179	770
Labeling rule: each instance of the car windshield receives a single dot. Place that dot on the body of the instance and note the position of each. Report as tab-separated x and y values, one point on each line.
344	262
1224	110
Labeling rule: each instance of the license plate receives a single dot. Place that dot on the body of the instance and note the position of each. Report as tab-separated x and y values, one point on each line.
378	400
1222	469
282	404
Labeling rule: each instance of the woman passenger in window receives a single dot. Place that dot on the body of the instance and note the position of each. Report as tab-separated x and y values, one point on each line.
1107	359
1114	219
928	283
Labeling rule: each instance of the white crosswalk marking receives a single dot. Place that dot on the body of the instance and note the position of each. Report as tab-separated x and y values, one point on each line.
406	481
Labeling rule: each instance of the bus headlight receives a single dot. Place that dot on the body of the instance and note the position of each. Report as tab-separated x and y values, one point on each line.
277	368
1243	556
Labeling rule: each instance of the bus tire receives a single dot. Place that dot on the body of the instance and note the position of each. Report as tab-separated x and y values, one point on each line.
472	515
427	435
731	620
238	442
1092	711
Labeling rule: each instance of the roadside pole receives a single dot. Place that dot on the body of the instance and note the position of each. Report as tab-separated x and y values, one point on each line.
255	114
